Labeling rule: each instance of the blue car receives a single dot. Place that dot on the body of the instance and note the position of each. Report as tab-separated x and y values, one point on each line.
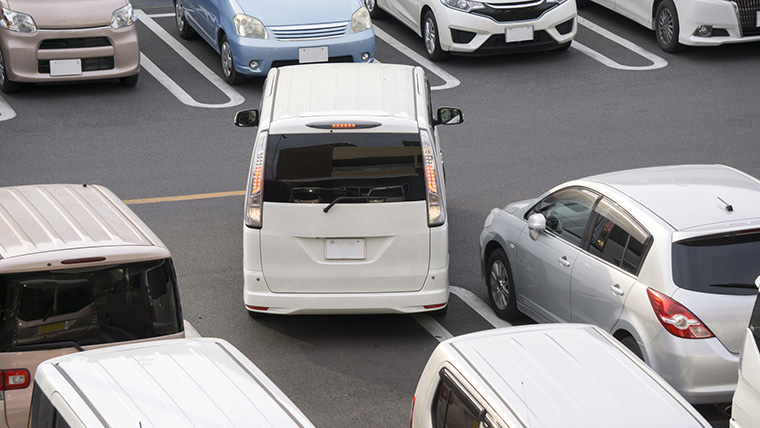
253	36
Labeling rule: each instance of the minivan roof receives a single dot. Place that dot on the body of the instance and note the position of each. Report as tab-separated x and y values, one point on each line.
202	382
342	89
46	217
570	375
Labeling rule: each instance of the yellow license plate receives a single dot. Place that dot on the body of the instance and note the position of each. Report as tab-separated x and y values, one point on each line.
51	327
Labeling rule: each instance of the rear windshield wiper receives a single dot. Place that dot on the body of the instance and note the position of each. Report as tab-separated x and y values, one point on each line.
735	285
353	198
48	345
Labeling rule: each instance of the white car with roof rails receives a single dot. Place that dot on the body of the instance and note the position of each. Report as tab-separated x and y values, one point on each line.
544	376
345	208
203	382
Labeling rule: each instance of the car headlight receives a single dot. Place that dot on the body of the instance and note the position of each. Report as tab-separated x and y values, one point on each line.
17	21
248	26
464	5
360	20
123	17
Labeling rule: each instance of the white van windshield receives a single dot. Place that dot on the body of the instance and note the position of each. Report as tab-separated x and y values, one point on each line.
88	306
361	167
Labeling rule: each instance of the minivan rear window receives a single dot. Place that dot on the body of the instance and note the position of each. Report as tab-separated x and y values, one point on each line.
725	264
320	167
88	306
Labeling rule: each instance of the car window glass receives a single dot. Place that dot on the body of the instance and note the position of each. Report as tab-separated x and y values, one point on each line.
617	239
42	411
754	323
451	411
567	212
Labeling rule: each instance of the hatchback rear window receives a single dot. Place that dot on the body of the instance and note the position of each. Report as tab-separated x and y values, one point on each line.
725	264
88	306
320	167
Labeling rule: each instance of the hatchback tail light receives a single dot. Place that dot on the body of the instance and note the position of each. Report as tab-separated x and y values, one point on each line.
254	206
435	207
14	379
676	319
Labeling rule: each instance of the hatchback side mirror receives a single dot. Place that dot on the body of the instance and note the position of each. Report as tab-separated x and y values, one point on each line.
449	116
536	224
247	118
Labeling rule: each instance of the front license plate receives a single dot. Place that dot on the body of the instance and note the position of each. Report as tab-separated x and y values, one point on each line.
519	34
65	67
49	328
307	55
345	249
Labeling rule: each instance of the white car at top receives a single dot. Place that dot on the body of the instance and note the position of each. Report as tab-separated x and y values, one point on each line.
478	28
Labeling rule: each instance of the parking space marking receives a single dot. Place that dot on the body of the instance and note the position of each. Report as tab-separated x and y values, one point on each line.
451	81
234	96
479	306
6	112
184	197
433	327
657	62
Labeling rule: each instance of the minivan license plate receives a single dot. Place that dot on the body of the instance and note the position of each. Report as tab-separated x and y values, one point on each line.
520	34
65	67
345	249
307	55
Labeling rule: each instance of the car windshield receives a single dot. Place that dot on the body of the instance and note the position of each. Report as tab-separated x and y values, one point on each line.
88	306
725	264
357	167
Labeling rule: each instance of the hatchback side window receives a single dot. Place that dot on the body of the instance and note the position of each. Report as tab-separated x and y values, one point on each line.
453	408
567	212
616	238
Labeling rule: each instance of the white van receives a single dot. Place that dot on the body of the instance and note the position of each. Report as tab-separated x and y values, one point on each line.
745	411
201	382
78	270
544	376
346	202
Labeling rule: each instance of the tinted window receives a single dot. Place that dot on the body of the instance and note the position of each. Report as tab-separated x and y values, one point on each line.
617	239
89	305
754	323
42	413
452	409
725	264
567	212
317	168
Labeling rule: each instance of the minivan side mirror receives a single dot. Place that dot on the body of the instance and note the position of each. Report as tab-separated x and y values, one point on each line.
757	282
536	224
247	118
448	116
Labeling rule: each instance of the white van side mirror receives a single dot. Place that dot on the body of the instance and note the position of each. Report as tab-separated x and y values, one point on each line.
536	224
247	118
448	116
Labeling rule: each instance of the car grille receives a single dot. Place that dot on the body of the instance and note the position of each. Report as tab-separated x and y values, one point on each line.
88	64
524	11
748	16
309	32
75	43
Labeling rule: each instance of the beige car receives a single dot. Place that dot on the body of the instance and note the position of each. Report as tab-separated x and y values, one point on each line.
67	41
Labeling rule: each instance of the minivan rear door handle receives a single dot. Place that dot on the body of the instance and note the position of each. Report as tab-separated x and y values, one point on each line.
616	289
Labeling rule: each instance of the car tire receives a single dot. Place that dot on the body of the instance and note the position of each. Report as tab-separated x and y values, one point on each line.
666	27
374	11
501	287
229	73
630	343
565	46
6	85
129	81
183	28
431	39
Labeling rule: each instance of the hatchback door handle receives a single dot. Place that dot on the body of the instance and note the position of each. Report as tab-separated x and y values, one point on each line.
616	289
564	262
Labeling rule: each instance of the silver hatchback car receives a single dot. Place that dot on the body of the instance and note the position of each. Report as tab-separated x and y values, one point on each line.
663	258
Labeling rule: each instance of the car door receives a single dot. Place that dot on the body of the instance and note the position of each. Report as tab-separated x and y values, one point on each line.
637	10
605	273
544	265
407	12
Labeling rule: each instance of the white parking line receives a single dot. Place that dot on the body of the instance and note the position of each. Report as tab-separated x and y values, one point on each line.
451	81
6	112
657	62
432	327
479	306
234	96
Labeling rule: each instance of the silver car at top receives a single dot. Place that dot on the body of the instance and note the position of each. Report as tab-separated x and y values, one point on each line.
663	258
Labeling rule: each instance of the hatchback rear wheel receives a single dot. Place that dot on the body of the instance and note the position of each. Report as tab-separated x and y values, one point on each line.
183	28
501	289
374	11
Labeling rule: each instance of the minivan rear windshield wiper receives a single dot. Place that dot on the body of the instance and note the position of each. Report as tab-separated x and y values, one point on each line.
353	198
48	345
734	285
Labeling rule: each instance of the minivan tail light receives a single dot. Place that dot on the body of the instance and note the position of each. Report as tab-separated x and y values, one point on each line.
83	260
14	379
676	319
435	209
254	206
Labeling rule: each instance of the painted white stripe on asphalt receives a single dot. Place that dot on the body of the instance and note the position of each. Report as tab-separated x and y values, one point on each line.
6	112
432	326
234	96
190	331
657	62
479	306
451	81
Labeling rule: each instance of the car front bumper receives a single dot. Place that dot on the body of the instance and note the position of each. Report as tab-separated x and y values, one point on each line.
721	15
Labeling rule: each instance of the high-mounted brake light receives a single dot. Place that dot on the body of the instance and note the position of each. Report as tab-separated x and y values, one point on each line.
14	379
253	211
83	260
436	215
676	319
359	124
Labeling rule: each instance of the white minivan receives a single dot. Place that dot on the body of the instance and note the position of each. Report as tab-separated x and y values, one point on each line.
203	382
345	209
745	411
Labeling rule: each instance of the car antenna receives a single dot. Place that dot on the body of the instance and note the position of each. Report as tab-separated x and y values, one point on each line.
728	207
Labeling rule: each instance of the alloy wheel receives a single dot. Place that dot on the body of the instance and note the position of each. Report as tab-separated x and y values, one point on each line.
430	32
226	59
665	26
179	15
2	69
370	4
499	285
